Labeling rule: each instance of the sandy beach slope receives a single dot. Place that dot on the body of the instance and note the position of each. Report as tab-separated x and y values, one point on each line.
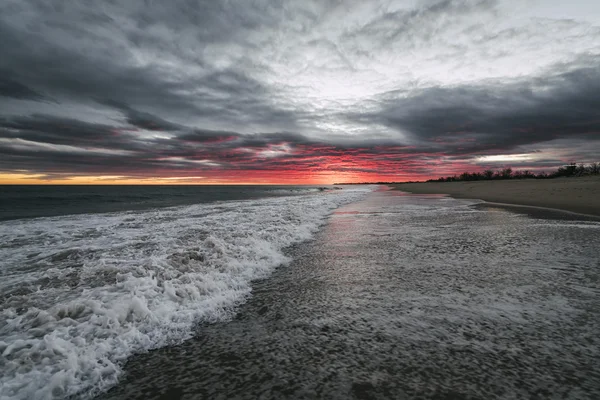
581	195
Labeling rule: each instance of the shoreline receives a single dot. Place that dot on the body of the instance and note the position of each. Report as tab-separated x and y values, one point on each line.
362	311
575	195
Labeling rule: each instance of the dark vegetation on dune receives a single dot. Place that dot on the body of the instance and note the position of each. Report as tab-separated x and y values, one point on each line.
570	170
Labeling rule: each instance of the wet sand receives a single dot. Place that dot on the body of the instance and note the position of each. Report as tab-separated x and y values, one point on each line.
404	297
579	195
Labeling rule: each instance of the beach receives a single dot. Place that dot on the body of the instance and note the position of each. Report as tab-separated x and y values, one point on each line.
403	297
357	293
579	195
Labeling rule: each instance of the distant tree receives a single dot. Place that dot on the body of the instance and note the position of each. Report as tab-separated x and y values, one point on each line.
465	176
488	174
528	174
506	173
566	170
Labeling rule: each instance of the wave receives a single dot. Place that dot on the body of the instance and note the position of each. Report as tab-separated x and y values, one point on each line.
82	293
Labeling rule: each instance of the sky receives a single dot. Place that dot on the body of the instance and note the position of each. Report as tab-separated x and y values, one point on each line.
294	92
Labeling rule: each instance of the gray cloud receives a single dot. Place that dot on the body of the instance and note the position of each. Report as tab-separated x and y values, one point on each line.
208	85
12	88
142	119
498	116
72	70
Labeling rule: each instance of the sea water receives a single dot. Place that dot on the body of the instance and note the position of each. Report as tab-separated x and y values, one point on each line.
90	276
405	296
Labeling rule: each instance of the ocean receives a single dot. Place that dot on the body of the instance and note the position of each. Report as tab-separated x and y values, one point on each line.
297	293
82	290
20	201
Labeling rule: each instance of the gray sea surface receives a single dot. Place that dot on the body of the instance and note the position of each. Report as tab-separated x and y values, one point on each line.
31	201
404	297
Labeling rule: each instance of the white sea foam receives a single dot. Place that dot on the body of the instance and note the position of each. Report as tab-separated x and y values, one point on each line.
80	294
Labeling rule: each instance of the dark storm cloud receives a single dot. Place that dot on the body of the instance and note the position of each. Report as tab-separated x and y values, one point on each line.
497	116
82	69
48	144
12	88
142	119
55	130
455	122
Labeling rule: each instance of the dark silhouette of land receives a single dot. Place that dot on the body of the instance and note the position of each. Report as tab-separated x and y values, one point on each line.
570	170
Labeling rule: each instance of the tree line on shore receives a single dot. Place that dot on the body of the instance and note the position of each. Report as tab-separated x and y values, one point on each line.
569	170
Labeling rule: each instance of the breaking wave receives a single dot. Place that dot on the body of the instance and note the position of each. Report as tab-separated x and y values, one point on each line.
82	293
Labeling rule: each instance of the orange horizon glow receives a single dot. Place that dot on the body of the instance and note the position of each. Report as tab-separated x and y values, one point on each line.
229	178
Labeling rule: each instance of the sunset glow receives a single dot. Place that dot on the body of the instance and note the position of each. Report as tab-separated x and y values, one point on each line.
298	92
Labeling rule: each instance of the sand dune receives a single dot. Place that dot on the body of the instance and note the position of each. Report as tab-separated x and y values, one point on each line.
581	195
